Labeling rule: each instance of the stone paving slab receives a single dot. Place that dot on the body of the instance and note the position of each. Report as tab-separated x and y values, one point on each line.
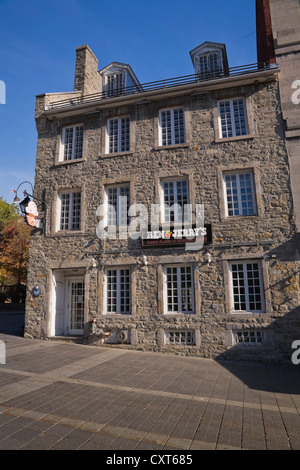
65	396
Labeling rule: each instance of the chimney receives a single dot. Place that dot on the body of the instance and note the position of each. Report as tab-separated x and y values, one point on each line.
264	34
87	78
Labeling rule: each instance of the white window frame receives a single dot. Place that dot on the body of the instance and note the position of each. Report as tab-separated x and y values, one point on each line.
108	309
235	284
118	145
120	218
114	83
178	287
258	337
180	337
73	144
71	215
231	119
207	68
238	174
171	140
176	213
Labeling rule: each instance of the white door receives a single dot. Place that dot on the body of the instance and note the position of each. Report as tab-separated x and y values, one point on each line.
74	319
58	304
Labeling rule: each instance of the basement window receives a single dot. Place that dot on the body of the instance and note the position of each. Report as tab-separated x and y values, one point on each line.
248	337
180	337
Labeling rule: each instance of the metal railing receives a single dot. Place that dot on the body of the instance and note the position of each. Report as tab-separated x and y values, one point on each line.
161	84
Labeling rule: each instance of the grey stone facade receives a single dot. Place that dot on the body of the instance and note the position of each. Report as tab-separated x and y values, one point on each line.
265	241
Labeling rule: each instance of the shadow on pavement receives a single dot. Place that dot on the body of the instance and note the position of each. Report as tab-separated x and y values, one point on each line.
12	319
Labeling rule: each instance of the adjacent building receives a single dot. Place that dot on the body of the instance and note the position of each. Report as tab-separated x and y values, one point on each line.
122	166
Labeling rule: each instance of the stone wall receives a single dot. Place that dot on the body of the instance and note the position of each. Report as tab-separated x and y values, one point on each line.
268	236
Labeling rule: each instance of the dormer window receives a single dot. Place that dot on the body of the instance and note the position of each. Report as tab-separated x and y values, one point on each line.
114	83
210	59
209	63
117	79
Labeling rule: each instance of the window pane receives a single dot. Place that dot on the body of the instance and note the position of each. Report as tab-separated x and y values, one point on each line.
64	215
118	205
172	295
114	84
239	117
76	204
232	114
113	135
112	197
225	117
172	126
68	143
118	291
246	287
179	137
166	128
239	194
78	142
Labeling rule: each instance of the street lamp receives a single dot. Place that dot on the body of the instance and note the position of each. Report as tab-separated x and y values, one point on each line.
28	207
16	198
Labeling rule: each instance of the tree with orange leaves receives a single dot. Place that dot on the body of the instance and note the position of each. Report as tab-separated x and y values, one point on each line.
14	245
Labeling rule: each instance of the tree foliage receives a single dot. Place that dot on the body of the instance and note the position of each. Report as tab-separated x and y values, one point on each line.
14	245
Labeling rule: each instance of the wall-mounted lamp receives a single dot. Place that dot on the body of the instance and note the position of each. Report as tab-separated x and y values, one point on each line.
16	198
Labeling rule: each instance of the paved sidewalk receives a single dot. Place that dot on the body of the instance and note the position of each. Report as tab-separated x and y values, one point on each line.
57	395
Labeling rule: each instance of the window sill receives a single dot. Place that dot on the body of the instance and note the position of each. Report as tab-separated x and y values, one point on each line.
235	138
179	313
243	312
172	146
116	314
115	154
68	233
69	162
246	217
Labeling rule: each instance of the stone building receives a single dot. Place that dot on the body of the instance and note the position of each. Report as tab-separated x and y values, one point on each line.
112	156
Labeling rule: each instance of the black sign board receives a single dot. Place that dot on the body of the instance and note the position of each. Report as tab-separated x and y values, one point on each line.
176	237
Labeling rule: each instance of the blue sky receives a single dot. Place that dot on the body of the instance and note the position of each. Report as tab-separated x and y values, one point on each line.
38	39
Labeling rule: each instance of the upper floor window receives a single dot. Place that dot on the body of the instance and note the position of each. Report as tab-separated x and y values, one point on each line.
118	202
71	143
69	211
118	135
232	118
246	287
240	193
172	128
175	200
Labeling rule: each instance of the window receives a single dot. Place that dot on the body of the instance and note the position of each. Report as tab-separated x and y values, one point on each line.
69	211
232	118
209	63
179	292
118	202
251	337
172	130
118	291
118	132
72	143
239	188
247	287
180	337
175	198
114	84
